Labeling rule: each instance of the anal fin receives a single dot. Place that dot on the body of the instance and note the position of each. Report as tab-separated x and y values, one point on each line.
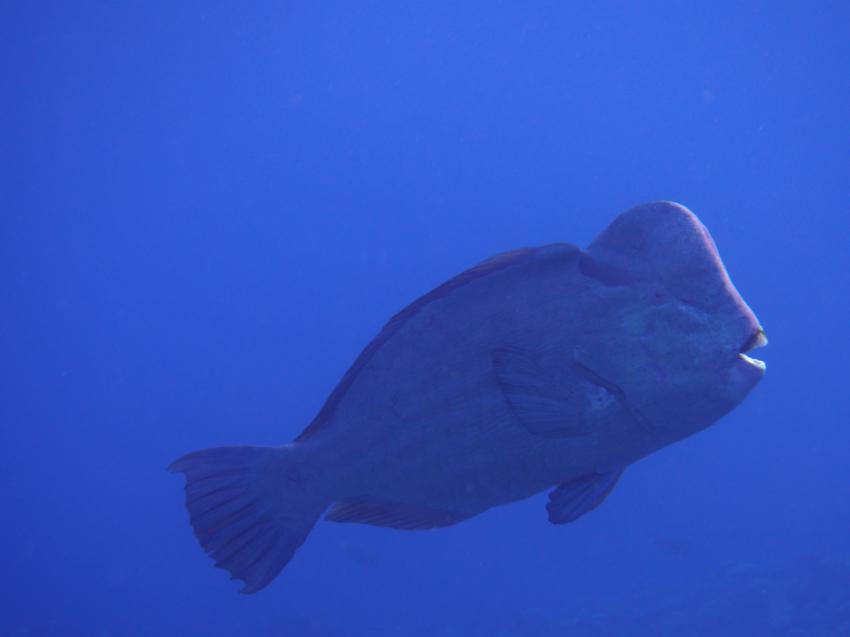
391	514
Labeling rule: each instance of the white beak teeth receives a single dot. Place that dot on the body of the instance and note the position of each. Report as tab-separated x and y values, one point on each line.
753	361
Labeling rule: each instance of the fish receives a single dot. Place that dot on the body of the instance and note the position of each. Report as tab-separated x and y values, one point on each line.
544	368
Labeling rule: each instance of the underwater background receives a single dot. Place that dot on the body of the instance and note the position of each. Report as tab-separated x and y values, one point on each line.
207	209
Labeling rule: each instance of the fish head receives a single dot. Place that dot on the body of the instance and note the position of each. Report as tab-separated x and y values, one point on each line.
667	326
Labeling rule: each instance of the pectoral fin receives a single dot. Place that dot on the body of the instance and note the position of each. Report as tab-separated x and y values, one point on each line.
573	499
548	394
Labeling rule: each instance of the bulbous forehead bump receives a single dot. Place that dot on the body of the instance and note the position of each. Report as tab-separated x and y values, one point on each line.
665	242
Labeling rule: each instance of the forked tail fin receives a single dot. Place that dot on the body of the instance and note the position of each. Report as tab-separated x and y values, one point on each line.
249	508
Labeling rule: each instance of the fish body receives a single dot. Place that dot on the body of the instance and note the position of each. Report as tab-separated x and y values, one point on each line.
539	368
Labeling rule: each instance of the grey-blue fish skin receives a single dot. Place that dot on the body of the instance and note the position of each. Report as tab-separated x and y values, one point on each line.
543	368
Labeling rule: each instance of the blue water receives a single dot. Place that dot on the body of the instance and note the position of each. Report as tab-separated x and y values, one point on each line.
208	209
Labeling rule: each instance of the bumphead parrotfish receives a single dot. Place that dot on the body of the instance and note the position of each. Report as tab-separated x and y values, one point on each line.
542	368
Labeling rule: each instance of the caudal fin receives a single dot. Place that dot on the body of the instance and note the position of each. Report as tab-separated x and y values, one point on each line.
249	508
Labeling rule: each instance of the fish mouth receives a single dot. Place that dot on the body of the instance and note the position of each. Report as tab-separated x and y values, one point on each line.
756	340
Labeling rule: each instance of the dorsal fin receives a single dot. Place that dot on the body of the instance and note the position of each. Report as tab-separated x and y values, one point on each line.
555	252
